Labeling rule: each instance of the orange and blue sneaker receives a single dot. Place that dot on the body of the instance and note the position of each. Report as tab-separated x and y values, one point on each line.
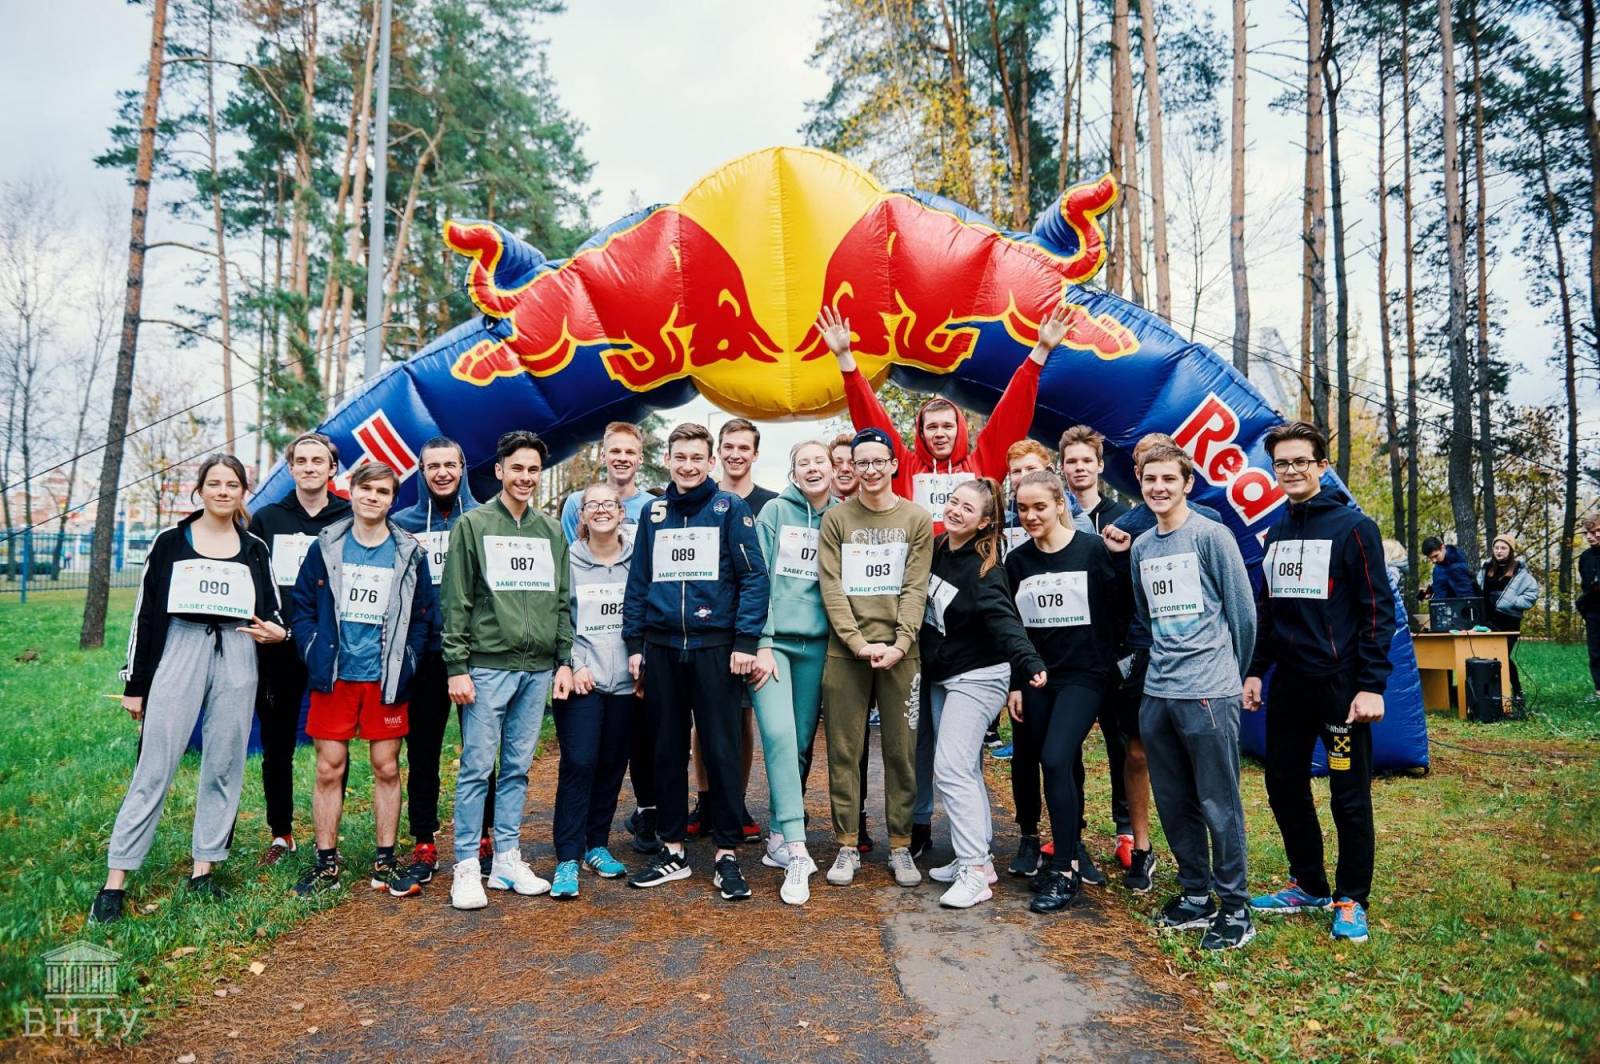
1349	921
1291	899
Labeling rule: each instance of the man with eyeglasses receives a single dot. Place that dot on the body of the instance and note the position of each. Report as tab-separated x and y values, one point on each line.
622	453
1327	618
445	496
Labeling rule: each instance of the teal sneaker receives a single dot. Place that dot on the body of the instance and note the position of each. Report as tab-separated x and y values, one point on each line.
602	864
565	883
1290	899
1349	921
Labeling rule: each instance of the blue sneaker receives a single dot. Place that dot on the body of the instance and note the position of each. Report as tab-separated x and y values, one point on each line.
1001	753
565	883
1349	921
602	864
1290	899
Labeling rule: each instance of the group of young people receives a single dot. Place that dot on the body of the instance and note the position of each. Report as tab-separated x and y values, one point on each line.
674	628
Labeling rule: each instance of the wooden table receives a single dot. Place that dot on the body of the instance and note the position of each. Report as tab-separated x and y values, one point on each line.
1441	653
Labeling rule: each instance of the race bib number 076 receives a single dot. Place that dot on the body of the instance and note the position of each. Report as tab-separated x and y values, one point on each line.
365	596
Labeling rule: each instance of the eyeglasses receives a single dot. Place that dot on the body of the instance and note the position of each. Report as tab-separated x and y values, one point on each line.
604	507
873	464
1299	465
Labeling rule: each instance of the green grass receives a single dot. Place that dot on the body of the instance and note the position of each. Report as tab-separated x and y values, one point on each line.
66	754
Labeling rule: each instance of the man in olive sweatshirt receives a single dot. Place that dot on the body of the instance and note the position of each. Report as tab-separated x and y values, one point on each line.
507	647
873	556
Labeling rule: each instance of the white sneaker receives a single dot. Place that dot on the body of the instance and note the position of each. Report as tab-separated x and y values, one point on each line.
777	855
796	889
948	873
904	868
466	890
511	872
845	866
971	887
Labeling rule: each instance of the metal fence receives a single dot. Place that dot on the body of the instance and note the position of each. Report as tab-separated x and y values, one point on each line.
36	560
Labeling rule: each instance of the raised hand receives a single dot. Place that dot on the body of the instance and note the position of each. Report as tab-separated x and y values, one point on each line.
1052	330
835	332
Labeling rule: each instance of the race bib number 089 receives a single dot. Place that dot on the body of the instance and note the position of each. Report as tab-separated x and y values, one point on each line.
518	563
686	553
1172	585
872	569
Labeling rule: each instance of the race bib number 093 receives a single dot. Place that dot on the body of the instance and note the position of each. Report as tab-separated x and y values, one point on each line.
872	569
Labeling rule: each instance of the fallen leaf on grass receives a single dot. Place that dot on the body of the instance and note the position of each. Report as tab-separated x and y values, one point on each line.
233	1034
1577	915
183	951
831	1039
220	993
256	968
1313	1025
312	1030
187	1058
1219	985
149	908
296	1006
805	1023
703	997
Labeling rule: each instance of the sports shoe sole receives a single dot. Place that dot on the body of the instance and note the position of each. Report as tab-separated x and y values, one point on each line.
985	896
716	881
1288	910
497	883
841	881
605	875
767	860
670	877
416	888
1150	880
564	895
1248	936
469	905
1189	925
1348	938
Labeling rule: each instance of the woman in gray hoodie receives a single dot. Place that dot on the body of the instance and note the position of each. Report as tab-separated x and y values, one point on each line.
593	726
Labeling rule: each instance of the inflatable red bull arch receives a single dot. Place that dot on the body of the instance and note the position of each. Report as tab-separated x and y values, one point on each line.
717	294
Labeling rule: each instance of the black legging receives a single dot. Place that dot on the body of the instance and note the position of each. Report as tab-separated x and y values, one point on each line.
1058	719
1502	622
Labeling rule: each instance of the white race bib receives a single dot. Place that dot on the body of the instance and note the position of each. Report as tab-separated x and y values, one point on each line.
1172	585
1014	537
288	552
364	598
932	490
437	544
1298	568
1054	600
600	611
940	594
686	553
872	569
205	585
797	552
518	563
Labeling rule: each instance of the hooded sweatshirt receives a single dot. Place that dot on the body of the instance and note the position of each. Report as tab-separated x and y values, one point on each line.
927	480
789	531
597	592
1451	577
970	621
424	520
1326	607
1589	584
288	532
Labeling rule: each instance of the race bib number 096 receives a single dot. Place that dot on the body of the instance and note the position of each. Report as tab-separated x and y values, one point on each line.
518	563
872	569
437	544
932	490
202	585
1172	585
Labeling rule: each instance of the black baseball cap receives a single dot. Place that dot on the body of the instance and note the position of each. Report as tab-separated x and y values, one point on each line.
872	435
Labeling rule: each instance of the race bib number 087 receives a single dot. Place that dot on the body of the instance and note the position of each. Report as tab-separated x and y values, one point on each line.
518	563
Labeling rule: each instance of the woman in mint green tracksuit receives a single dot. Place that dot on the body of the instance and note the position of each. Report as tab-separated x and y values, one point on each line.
788	673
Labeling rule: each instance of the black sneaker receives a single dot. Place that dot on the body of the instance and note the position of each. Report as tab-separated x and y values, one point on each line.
424	862
319	879
664	867
107	908
1057	890
1026	862
1181	914
921	840
387	875
206	888
864	840
1229	930
730	880
1088	871
642	824
1138	876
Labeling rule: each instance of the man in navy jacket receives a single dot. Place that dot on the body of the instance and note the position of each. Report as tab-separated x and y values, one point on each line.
1452	579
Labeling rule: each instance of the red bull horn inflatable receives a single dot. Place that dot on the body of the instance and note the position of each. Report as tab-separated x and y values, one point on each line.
718	294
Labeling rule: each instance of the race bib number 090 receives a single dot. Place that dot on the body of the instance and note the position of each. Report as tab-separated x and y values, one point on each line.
872	569
518	563
1298	568
1054	600
202	585
365	596
1172	586
686	553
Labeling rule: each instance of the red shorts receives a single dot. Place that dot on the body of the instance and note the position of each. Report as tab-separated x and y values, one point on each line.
356	708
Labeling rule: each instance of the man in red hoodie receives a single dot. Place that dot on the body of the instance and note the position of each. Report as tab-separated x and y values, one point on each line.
942	457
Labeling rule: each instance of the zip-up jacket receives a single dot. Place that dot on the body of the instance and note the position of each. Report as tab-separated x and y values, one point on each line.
408	620
287	517
794	606
1451	577
1589	584
1322	624
147	636
512	630
690	614
424	517
601	652
1008	423
971	621
1516	597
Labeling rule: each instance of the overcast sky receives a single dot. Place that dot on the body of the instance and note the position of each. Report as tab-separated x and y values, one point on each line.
668	92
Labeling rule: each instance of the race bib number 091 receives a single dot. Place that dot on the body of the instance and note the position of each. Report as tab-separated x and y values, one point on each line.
1172	586
872	569
686	553
518	563
202	585
1298	568
1054	600
365	596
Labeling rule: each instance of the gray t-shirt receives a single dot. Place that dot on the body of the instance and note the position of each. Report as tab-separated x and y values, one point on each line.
1191	590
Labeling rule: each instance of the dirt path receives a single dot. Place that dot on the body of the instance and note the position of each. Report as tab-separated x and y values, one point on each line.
872	972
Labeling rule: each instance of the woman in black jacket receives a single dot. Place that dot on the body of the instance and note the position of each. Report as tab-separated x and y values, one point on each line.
1072	605
972	641
206	598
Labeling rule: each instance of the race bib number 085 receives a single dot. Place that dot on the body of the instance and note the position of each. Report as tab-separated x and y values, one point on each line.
518	563
872	569
1172	585
1298	568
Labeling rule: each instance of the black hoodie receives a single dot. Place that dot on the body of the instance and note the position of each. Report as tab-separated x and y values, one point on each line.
287	517
978	624
1325	607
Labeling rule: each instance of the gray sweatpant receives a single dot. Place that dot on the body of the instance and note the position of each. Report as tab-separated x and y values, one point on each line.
198	669
1192	746
963	706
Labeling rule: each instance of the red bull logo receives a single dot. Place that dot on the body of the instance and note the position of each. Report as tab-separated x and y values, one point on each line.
380	441
1208	435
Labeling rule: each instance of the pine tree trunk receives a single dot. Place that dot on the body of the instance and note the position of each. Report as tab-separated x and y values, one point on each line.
1385	338
1116	240
1062	167
93	633
961	155
1332	81
403	231
1077	79
1314	327
1486	451
1569	351
1460	448
303	364
225	310
1158	189
1241	284
1016	124
1122	93
1591	128
1413	430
